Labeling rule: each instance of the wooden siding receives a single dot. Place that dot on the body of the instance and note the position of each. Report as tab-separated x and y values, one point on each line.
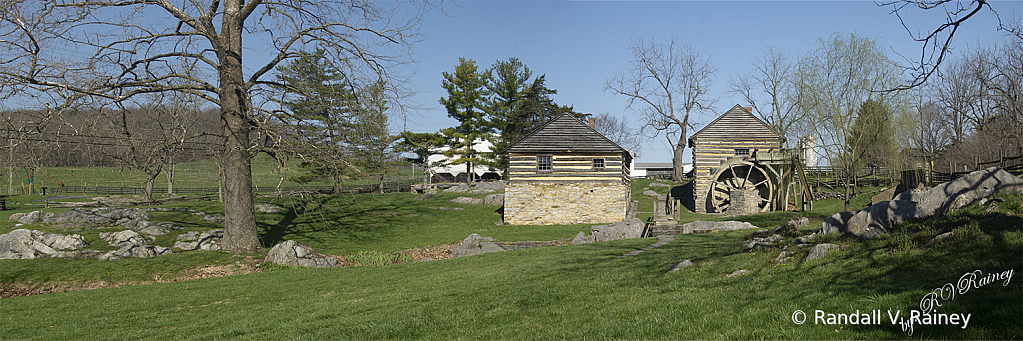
565	134
569	167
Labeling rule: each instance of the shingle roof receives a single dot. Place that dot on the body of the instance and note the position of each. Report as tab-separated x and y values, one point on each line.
564	133
736	124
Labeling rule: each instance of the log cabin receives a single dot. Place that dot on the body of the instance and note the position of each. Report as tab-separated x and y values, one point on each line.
565	172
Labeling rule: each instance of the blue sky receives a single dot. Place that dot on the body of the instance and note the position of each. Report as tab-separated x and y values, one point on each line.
579	43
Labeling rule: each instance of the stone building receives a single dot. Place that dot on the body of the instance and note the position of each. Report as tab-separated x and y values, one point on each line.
565	172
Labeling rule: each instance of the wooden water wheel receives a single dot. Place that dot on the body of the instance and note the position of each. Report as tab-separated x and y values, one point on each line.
744	175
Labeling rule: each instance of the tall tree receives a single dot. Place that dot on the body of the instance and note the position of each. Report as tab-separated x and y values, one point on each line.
666	82
870	139
466	102
129	48
507	83
770	88
841	73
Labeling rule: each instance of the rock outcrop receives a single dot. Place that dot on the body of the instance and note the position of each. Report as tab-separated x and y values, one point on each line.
701	226
494	200
475	244
879	218
627	229
467	201
31	244
294	253
195	240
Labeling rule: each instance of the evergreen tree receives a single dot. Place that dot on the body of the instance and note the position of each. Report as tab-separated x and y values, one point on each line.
466	102
870	142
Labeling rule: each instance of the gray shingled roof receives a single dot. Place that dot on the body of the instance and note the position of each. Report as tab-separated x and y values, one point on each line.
566	134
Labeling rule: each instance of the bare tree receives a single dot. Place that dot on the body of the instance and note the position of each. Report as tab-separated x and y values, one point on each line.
666	82
771	89
196	48
836	79
618	130
935	44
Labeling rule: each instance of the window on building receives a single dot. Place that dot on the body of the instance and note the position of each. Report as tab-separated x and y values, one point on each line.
544	163
598	164
742	152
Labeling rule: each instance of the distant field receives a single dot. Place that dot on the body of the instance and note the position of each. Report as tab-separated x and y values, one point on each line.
266	172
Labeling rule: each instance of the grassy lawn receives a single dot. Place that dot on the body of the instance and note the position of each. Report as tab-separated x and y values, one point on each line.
578	291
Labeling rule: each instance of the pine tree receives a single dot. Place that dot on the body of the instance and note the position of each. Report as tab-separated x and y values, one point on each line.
466	102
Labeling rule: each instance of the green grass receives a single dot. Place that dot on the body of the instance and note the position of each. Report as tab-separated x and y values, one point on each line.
578	291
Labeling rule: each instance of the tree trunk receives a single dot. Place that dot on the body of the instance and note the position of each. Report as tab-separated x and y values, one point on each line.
676	163
170	179
151	175
381	187
240	234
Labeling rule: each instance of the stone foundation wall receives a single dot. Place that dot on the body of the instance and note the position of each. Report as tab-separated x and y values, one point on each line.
742	201
546	203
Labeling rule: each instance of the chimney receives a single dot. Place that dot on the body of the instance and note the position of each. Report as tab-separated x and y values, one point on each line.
593	123
750	109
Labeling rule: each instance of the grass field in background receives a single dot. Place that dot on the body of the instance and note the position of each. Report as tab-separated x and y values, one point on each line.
266	172
578	291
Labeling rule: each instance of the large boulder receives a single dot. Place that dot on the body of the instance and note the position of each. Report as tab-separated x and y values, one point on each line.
460	188
879	218
123	238
701	226
294	253
582	238
195	240
873	221
494	200
626	229
473	245
820	250
963	191
31	244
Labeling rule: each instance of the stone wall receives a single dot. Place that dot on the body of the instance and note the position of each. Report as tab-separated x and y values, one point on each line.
743	201
550	203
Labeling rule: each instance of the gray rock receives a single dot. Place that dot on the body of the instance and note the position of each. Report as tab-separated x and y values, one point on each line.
467	201
921	203
482	190
31	217
31	244
123	238
782	257
739	273
658	184
711	226
460	188
798	222
763	242
195	240
139	251
679	265
872	221
448	208
630	212
820	250
214	218
425	196
473	245
489	185
582	238
651	193
807	238
963	191
154	229
267	208
627	229
293	253
494	200
16	216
